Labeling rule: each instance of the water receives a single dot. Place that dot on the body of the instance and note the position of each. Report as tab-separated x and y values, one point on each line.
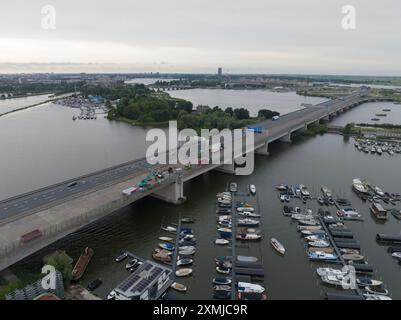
366	112
88	146
147	81
253	100
7	105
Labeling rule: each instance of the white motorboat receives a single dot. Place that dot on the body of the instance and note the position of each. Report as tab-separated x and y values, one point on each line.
300	216
249	214
304	191
359	186
376	290
352	257
252	189
319	244
309	222
222	242
166	239
277	245
183	272
309	228
329	272
378	191
245	209
248	222
335	280
363	282
250	287
376	297
248	236
169	229
316	237
247	259
397	255
327	192
111	295
179	287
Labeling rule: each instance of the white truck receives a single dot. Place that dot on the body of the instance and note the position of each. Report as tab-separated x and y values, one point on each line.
129	191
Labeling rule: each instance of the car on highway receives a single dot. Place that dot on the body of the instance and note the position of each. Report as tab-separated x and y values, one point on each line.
275	118
72	184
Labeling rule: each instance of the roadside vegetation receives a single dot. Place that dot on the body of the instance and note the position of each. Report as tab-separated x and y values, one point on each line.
315	130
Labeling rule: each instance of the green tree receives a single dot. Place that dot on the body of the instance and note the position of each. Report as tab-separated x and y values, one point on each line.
62	262
267	114
241	113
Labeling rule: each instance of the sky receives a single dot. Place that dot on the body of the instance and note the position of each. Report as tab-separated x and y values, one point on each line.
198	36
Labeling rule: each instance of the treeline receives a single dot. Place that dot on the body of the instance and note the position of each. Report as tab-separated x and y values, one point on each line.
380	125
23	89
116	92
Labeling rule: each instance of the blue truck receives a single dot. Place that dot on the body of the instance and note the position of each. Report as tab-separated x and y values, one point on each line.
255	129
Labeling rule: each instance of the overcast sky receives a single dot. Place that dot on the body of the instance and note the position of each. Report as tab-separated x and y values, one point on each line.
247	36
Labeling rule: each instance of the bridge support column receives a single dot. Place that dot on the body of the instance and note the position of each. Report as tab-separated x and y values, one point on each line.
263	150
286	138
227	168
173	194
326	118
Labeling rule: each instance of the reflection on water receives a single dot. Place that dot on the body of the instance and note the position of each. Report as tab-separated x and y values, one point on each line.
253	100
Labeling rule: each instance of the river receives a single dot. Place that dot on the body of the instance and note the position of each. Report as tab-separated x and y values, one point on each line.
60	148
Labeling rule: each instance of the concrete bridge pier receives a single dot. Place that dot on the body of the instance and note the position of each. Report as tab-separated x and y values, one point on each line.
173	194
286	138
263	150
227	168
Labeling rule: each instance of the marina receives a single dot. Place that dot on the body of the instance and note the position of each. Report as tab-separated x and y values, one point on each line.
332	242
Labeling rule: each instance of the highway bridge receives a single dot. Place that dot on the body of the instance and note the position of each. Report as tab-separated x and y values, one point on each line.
32	221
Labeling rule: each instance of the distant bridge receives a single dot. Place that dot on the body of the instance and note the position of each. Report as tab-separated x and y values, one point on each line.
46	215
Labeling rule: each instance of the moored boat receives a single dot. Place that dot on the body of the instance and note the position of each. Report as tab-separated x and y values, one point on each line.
184	272
320	255
222	241
252	189
363	282
179	287
184	262
359	186
167	246
222	281
376	290
122	257
82	264
396	255
352	257
250	287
